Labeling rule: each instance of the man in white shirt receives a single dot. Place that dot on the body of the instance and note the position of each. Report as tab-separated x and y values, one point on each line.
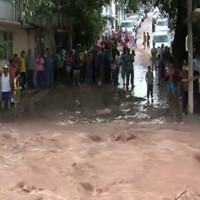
5	88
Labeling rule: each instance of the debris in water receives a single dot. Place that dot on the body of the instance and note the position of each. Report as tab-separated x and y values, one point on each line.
140	115
78	103
95	138
87	186
126	110
105	111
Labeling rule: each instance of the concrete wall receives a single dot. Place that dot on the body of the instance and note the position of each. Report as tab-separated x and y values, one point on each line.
23	39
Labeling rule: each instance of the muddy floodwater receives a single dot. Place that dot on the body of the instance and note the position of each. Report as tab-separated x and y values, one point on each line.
116	161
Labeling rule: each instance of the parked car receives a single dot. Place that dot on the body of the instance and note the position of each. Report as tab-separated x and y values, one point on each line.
128	25
162	25
136	20
141	15
160	38
156	13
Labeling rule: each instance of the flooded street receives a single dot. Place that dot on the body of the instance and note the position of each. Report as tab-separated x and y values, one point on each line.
99	143
142	61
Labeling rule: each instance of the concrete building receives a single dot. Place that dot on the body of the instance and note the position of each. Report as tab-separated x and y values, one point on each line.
21	36
115	12
18	36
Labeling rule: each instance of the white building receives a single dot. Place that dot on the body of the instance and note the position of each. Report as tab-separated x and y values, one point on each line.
115	13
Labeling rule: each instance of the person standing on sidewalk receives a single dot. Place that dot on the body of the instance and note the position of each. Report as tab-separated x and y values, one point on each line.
149	79
130	70
184	87
116	72
154	53
40	68
30	70
5	88
144	40
23	70
124	65
49	66
148	41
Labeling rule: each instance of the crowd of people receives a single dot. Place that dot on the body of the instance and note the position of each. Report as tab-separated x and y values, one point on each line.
173	78
99	65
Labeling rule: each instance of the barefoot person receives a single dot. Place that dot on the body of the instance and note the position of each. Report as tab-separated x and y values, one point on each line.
16	95
149	80
5	88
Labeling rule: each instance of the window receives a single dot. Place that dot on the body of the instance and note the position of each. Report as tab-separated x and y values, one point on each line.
8	38
161	39
126	24
162	23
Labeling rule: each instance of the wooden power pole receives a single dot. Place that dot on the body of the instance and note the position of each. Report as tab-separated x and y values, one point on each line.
190	58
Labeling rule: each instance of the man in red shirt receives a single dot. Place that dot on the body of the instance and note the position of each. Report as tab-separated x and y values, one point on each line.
144	40
184	87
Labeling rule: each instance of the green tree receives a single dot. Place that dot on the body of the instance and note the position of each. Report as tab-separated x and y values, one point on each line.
42	8
133	4
89	26
81	13
177	11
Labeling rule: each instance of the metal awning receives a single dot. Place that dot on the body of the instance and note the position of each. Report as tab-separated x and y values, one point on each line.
196	12
110	17
6	22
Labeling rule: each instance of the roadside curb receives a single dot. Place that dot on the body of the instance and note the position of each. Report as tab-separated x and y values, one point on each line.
39	96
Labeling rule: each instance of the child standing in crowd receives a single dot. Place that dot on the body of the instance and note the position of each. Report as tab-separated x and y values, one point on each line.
113	67
30	70
124	64
16	94
6	88
149	80
116	72
23	69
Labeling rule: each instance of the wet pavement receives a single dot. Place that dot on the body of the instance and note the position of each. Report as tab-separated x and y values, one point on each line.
93	104
142	61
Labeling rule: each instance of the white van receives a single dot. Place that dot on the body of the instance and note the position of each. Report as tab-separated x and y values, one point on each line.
128	25
160	38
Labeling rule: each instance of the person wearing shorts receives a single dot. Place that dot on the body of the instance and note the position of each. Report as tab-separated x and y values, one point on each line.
5	88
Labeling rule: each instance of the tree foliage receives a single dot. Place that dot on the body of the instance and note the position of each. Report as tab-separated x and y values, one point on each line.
85	14
41	8
133	4
178	13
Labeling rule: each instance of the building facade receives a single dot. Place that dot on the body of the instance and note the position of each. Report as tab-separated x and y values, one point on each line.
115	13
18	36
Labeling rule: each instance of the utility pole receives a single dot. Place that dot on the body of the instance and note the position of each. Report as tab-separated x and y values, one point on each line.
190	58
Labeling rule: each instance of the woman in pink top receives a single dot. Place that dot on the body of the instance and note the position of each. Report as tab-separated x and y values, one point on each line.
40	71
